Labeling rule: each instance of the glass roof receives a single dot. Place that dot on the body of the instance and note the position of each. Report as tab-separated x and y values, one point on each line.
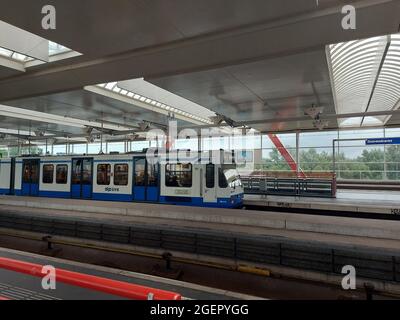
366	78
387	91
54	49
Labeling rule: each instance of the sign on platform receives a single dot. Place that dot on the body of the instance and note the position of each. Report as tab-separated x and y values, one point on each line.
382	141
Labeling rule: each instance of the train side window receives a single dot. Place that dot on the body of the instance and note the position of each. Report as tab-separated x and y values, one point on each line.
26	177
222	182
87	172
121	174
61	174
48	173
35	172
152	174
210	176
178	175
76	171
103	174
140	165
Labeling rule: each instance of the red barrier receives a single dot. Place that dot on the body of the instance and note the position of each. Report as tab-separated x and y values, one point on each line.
3	298
114	287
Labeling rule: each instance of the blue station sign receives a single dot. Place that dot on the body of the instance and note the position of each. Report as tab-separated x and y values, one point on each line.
382	141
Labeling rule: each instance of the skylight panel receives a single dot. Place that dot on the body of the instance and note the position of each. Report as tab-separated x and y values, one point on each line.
113	86
366	77
55	48
387	92
5	52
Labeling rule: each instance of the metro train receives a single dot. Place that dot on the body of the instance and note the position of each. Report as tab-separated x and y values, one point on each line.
122	177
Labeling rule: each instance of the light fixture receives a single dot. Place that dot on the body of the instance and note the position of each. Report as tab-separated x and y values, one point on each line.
314	112
320	124
126	93
144	126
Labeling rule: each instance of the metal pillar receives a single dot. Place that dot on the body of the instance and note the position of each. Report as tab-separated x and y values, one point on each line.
297	153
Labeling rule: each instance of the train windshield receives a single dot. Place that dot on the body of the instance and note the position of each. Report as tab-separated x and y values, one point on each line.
232	176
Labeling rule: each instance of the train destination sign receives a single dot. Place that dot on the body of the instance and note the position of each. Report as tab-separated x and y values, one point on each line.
382	141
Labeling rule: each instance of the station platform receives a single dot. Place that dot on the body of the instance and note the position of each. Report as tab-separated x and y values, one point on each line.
231	239
15	285
350	200
232	220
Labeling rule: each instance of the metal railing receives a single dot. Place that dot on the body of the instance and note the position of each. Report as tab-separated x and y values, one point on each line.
95	283
306	187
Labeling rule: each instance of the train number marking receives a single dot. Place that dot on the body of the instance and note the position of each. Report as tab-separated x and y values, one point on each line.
395	211
284	204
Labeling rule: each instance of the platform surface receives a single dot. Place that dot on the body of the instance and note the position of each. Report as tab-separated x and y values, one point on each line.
381	234
380	201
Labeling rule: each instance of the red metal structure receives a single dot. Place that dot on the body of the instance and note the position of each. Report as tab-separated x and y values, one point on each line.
286	155
117	288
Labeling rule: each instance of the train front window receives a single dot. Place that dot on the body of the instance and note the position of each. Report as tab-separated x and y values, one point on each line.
48	173
228	177
178	175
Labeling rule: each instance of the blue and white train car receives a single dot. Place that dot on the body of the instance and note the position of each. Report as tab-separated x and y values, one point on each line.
207	185
122	177
5	176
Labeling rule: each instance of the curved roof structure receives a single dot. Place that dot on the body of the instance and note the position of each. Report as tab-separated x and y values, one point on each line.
365	78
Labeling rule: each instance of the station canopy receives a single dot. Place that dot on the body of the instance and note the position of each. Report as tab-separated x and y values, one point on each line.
140	65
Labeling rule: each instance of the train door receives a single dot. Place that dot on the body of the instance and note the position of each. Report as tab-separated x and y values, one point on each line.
30	177
82	178
209	184
145	180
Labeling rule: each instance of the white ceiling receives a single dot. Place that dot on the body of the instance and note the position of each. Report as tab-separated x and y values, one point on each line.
267	89
247	60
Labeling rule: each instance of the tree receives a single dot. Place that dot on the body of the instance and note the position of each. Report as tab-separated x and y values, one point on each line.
393	162
374	162
370	165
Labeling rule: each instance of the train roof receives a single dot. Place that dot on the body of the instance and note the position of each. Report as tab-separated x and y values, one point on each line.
191	157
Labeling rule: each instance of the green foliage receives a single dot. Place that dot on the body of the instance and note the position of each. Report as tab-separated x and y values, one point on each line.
370	165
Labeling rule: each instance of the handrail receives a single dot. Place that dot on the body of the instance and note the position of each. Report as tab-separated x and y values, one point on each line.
114	287
289	185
